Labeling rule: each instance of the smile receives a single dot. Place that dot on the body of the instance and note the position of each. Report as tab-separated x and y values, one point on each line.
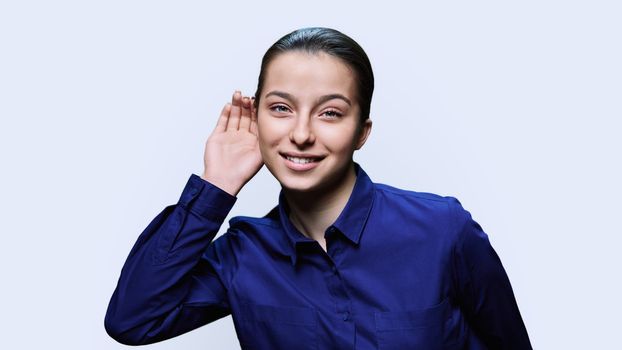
301	162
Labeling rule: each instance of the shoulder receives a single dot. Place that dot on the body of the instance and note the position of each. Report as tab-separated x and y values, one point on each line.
270	220
398	196
248	235
250	229
445	212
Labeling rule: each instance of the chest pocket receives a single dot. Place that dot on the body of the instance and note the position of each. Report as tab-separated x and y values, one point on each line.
277	327
412	329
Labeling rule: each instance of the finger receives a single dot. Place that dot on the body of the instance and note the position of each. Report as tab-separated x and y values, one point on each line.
234	116
253	127
221	125
245	119
253	108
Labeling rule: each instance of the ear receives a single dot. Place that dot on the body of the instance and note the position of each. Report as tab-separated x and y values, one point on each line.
364	133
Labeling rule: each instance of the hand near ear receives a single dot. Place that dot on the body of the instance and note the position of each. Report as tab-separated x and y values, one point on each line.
232	155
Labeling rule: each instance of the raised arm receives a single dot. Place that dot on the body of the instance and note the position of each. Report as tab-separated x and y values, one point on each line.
175	278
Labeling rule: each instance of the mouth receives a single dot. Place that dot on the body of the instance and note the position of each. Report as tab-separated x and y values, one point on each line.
301	161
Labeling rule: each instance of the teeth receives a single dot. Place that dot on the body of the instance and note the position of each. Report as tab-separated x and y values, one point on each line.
301	160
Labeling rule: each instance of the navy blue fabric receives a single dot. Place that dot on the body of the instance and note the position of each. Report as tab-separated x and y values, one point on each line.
402	270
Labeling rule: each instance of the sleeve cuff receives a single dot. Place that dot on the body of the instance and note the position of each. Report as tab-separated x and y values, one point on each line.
206	199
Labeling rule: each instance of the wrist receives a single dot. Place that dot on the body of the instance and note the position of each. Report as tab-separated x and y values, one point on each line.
224	184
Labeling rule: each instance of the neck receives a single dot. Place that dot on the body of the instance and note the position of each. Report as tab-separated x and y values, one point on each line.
312	212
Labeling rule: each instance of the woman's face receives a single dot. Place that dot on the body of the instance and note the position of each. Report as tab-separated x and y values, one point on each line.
308	119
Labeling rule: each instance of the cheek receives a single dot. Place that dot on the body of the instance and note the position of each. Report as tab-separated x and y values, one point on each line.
268	132
338	140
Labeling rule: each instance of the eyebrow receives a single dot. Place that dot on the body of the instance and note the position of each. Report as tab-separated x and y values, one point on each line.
320	100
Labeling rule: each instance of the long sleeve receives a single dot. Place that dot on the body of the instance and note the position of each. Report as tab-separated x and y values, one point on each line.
172	281
484	288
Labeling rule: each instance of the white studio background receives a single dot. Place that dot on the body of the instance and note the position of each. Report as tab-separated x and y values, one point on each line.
512	107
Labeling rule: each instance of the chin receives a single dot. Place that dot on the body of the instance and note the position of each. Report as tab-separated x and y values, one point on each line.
301	188
298	185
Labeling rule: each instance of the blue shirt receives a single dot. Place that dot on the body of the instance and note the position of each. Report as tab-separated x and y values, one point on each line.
402	270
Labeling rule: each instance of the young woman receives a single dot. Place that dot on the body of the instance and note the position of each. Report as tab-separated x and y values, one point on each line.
341	262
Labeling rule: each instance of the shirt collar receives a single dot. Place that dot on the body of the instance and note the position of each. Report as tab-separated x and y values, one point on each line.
350	221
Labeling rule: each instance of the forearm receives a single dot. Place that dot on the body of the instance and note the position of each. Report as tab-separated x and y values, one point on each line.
158	273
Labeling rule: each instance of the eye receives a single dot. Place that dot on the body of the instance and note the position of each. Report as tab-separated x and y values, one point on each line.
279	108
332	114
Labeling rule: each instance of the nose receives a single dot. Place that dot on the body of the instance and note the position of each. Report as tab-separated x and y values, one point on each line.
302	133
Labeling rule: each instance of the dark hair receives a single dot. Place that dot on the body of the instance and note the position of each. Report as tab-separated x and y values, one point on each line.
318	39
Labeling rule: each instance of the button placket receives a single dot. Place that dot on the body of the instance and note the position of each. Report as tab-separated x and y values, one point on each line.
334	280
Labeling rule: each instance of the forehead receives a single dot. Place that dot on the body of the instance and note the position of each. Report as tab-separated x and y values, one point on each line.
301	73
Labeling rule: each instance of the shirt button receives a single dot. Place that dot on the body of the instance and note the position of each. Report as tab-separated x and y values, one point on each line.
345	315
334	269
194	191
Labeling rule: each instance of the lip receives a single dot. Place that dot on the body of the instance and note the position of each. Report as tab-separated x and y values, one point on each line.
300	167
